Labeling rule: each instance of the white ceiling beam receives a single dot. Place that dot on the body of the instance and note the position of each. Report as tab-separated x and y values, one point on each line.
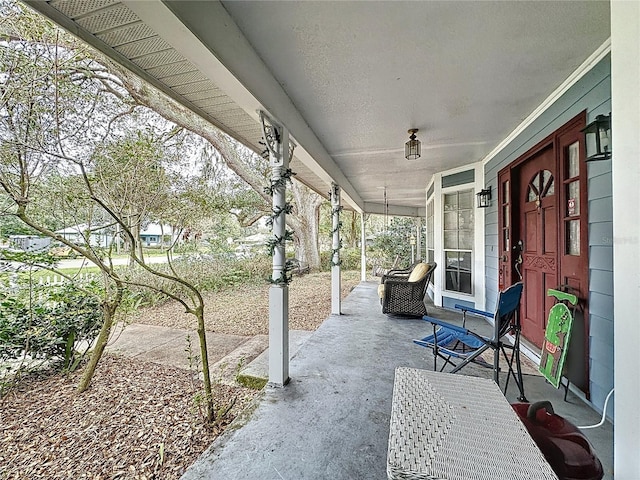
394	210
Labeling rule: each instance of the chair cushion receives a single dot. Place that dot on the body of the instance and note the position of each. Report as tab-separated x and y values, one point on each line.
418	272
381	290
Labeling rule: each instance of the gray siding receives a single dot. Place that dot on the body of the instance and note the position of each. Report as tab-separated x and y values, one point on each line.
593	94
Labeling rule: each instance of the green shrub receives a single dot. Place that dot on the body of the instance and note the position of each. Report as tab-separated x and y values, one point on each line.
350	258
205	272
46	322
394	241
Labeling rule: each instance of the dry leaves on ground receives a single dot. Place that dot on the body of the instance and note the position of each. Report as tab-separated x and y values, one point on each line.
139	420
245	310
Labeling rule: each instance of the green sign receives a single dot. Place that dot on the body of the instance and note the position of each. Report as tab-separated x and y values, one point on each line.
556	337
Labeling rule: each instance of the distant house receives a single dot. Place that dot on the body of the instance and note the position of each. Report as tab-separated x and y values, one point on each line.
29	243
98	236
156	235
251	244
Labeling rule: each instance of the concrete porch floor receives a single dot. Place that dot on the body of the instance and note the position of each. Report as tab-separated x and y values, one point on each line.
332	420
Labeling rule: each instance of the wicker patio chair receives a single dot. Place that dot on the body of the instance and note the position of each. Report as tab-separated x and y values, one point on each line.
405	295
399	273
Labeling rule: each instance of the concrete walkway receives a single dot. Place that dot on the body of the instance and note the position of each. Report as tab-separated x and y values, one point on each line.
229	355
332	420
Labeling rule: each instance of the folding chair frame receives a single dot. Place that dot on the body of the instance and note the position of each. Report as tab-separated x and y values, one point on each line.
506	320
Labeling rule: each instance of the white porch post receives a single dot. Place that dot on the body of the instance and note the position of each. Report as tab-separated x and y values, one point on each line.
335	259
277	140
418	238
625	115
363	250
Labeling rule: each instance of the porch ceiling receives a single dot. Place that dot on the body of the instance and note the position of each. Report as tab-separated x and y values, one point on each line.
350	78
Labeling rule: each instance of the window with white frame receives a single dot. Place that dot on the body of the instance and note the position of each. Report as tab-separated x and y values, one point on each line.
458	240
430	232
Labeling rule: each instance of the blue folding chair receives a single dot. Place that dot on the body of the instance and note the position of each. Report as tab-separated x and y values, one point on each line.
451	341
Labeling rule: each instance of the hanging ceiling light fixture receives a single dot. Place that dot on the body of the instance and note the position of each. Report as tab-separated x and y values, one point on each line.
412	147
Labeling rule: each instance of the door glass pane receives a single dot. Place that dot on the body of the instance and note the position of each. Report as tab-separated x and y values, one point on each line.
505	192
465	282
458	235
451	239
505	216
464	259
465	240
573	198
430	225
534	188
452	280
452	271
573	237
547	183
573	165
451	201
452	259
466	220
450	220
505	239
465	199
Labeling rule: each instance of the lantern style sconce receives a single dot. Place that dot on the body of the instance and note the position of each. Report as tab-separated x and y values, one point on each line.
597	139
484	197
412	147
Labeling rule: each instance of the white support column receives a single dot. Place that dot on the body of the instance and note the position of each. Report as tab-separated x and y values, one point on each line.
277	140
625	116
335	259
363	250
418	238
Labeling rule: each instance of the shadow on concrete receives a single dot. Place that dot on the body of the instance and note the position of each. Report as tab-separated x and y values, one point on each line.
332	420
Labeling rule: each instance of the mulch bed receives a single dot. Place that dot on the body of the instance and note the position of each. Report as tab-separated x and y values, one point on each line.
137	421
140	420
244	310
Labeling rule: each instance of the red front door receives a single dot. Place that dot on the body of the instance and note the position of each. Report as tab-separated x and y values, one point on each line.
543	236
538	234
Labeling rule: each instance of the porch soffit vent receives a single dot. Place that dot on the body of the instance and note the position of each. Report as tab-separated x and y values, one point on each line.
119	28
112	27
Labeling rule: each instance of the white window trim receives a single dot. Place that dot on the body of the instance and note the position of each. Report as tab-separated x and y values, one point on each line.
478	255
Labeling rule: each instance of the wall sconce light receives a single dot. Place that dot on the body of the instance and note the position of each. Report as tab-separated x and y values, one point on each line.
597	138
484	197
412	147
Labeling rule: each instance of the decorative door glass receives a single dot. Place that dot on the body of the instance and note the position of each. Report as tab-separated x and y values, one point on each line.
572	207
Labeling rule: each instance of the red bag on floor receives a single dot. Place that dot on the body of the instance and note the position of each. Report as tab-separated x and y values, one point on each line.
564	446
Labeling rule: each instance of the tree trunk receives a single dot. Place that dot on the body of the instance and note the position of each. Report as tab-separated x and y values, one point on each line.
304	221
305	224
108	310
204	354
137	241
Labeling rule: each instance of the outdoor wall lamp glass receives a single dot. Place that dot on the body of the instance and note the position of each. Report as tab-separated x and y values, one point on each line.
597	138
484	197
412	147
